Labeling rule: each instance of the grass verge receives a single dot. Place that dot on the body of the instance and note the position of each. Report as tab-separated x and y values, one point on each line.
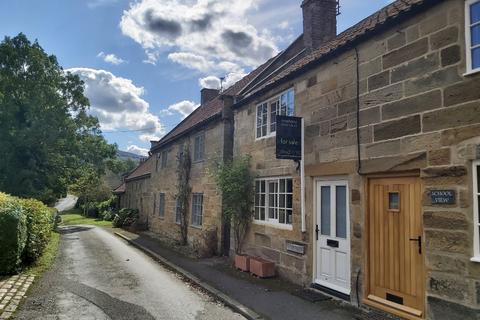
74	217
46	259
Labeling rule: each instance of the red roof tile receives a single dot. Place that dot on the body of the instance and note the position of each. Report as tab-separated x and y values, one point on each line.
143	170
209	110
375	21
120	189
213	108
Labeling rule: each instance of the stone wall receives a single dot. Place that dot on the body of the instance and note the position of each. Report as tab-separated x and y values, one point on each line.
205	239
417	112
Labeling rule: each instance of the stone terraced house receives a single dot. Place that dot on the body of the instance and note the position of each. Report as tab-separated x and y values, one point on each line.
135	192
391	186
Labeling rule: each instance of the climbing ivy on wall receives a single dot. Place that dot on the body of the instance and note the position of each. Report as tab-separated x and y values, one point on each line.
184	164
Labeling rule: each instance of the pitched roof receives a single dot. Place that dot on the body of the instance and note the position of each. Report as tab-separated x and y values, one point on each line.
209	110
143	171
367	26
120	189
252	85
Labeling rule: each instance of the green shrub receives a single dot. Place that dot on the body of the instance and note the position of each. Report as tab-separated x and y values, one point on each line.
109	215
56	218
13	234
39	228
125	218
106	209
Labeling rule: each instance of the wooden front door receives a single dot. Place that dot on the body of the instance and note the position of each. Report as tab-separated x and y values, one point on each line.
396	251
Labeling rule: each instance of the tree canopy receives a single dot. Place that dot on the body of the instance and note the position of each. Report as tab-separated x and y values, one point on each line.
47	139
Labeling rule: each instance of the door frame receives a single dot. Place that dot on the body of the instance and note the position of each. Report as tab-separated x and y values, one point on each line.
366	252
345	179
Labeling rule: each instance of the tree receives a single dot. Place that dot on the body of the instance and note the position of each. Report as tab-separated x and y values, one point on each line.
46	136
235	180
120	166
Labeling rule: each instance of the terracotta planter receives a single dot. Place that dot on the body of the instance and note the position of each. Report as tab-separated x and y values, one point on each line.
262	268
242	262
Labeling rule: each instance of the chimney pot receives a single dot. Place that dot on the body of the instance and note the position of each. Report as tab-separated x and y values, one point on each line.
319	22
207	95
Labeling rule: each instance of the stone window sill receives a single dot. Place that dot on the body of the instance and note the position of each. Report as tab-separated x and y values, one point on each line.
471	72
196	227
274	225
475	259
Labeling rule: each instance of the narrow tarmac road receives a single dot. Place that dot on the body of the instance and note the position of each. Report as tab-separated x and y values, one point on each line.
98	276
66	203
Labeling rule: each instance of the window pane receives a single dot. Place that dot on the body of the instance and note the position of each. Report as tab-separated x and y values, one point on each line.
257	213
476	58
478	209
393	200
478	179
475	12
289	201
282	201
325	211
289	216
475	35
289	185
282	185
281	215
341	214
262	183
262	213
271	213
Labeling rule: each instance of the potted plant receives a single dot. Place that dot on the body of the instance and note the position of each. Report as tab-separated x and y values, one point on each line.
235	181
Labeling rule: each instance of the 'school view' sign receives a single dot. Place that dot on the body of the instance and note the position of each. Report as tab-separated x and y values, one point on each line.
442	196
289	138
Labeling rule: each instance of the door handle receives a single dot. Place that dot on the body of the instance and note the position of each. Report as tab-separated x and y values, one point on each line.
419	240
316	231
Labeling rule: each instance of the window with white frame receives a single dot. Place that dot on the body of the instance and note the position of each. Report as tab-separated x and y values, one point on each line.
476	208
472	34
267	112
274	200
164	158
161	205
199	147
178	213
197	209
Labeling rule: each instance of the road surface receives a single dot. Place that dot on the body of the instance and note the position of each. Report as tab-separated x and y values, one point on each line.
98	276
66	203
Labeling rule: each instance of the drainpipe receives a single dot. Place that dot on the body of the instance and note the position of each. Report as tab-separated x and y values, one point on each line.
302	178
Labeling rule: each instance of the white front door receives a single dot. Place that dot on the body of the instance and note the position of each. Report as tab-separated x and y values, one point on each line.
333	236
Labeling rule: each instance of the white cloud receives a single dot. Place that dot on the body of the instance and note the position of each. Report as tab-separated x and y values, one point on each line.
118	103
183	107
213	82
110	58
137	150
200	34
284	25
191	61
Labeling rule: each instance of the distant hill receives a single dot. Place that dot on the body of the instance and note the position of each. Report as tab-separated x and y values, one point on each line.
114	180
124	155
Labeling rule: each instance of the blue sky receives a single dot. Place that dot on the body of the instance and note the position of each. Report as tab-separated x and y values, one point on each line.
144	62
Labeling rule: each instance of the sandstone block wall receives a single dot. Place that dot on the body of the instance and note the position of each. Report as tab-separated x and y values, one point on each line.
417	112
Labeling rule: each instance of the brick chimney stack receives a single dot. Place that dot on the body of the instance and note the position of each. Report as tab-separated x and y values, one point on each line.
319	22
208	95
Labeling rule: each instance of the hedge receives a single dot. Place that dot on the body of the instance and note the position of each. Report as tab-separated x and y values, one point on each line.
39	226
25	230
13	234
